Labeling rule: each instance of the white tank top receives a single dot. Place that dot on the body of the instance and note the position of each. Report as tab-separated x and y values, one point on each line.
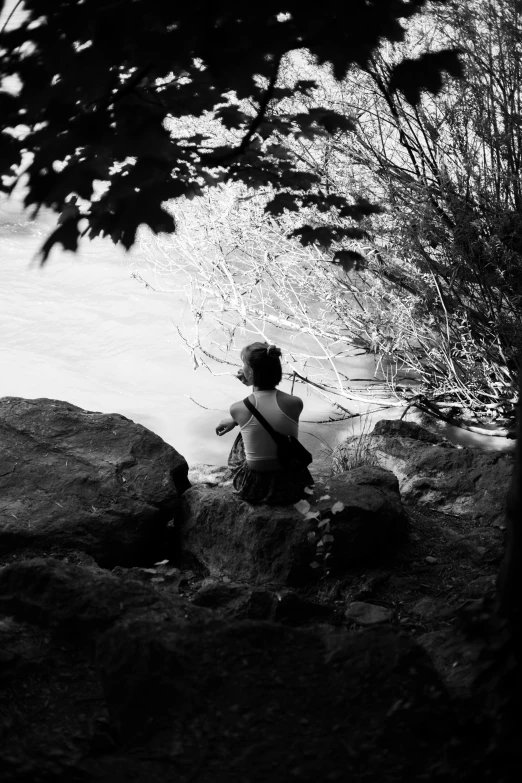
259	445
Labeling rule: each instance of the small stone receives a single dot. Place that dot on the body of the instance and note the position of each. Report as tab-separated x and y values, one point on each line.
425	608
367	614
431	560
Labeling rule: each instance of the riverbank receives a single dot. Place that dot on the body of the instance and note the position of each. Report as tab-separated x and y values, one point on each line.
135	644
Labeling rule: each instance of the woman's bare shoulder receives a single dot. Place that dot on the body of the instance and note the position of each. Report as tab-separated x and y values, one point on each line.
240	412
289	402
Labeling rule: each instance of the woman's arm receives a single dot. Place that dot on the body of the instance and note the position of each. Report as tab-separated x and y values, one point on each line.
225	425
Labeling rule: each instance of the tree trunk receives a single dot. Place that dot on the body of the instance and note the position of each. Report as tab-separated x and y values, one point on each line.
510	578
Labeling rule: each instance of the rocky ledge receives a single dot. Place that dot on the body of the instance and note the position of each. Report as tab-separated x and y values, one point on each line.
153	625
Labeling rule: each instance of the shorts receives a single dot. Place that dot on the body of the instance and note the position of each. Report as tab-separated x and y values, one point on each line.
273	487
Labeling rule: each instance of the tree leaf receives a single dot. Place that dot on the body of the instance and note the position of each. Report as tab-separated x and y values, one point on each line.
66	235
414	76
303	506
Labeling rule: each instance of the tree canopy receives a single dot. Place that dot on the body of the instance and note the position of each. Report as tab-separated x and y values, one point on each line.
92	83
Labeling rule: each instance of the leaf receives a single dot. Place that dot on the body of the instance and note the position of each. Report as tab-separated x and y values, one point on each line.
348	260
66	235
305	86
414	76
162	562
324	497
328	538
337	507
315	564
232	117
303	506
324	523
309	490
282	202
314	514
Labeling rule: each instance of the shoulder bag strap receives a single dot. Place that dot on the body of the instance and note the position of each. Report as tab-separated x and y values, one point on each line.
259	416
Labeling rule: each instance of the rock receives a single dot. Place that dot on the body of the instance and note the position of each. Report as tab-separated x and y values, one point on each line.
272	699
67	555
371	523
230	537
370	585
426	608
21	646
81	480
266	544
433	472
454	658
81	601
395	428
480	587
367	614
217	595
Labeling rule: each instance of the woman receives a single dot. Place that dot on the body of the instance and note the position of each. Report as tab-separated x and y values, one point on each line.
257	475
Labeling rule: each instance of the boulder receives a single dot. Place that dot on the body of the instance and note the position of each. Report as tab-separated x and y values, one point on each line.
371	523
266	544
82	601
435	473
231	537
270	702
89	481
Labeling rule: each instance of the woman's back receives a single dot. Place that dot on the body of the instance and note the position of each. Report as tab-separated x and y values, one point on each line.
260	447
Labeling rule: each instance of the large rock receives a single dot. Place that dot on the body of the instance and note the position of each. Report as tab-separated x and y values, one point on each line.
83	601
433	472
263	544
94	482
252	543
273	703
372	522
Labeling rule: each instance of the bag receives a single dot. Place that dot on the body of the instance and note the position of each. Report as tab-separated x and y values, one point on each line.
290	452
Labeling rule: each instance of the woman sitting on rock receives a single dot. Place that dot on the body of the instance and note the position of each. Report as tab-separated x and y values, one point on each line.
257	475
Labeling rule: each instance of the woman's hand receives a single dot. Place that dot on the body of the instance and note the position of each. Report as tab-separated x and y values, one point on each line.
241	377
226	425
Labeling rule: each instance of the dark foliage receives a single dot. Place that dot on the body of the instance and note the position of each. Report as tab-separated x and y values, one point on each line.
96	81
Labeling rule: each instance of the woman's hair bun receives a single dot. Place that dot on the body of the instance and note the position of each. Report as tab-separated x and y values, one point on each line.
273	350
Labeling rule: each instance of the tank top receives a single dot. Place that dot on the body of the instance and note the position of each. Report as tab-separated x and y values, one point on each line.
259	445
